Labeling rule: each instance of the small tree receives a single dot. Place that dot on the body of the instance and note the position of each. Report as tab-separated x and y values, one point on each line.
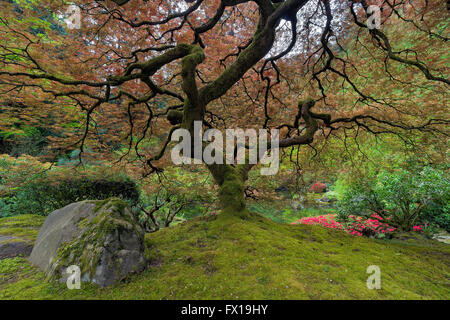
166	206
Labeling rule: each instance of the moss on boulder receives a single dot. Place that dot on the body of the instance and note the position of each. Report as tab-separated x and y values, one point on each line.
102	238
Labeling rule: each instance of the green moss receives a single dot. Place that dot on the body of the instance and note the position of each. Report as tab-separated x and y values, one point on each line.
226	257
83	223
119	204
14	240
231	181
195	57
231	193
12	269
24	226
99	204
25	221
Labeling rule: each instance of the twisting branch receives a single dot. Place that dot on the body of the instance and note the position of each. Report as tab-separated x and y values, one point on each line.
385	44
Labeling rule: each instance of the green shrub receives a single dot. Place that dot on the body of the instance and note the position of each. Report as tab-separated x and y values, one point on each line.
437	213
42	189
43	198
403	198
24	140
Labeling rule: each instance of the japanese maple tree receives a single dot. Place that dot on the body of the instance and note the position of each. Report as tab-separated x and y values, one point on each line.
138	69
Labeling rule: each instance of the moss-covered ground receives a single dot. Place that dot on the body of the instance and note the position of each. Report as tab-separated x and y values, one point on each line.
220	257
24	226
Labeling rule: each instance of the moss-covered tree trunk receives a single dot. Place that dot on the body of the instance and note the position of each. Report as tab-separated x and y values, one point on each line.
231	181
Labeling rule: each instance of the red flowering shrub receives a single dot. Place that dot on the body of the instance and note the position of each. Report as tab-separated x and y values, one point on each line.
318	187
357	226
372	227
325	221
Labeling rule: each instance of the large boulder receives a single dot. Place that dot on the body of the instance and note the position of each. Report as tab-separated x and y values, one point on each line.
102	238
